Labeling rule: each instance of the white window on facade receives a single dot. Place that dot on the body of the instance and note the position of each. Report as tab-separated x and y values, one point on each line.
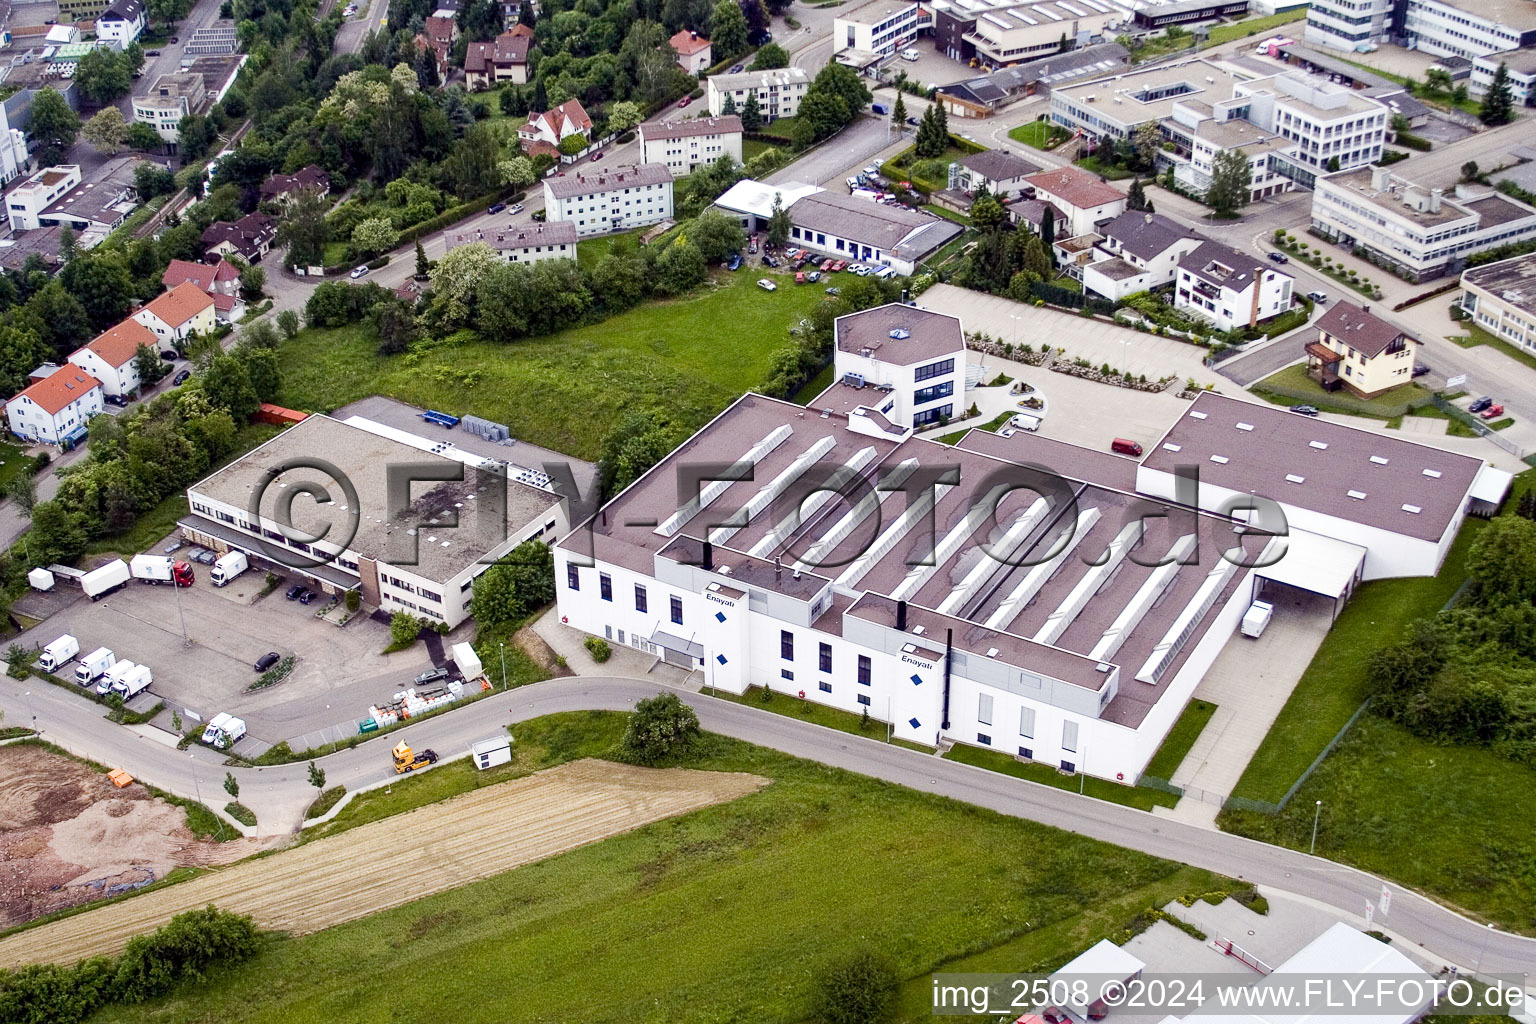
1069	736
1027	722
984	709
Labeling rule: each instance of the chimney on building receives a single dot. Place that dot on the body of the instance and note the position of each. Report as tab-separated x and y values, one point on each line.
709	557
901	616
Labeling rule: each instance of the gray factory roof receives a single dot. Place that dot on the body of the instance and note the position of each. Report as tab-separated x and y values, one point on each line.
1328	468
1513	280
363	457
891	229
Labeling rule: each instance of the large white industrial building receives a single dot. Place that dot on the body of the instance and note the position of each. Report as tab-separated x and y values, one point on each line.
963	594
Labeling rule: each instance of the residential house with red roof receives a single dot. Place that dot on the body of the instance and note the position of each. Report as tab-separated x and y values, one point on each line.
1083	197
109	357
250	237
221	282
548	129
179	312
693	53
505	60
57	408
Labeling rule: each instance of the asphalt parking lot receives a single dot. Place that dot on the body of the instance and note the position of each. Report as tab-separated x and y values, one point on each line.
339	670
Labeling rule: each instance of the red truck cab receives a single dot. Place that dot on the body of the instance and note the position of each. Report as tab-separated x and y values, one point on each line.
182	573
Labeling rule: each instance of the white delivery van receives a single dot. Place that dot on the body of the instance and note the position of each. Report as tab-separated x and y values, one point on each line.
1257	617
909	54
135	682
113	679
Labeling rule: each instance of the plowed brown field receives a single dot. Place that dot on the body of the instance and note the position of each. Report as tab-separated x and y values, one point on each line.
387	863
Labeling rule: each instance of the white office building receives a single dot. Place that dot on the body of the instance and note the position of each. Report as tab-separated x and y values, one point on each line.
778	92
24	204
1470	29
1422	232
422	558
901	364
612	200
1501	299
877	28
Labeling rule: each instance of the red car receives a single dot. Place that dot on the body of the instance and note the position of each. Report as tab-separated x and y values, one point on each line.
800	279
684	102
1493	411
827	264
840	265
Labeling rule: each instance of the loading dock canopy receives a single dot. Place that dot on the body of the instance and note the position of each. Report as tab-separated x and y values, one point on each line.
1490	486
1316	563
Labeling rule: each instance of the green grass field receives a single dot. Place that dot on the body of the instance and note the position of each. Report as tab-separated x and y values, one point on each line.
1454	822
590	250
791	706
13	460
1252	26
1175	747
1292	385
686	357
1036	133
1335	684
725	914
1478	336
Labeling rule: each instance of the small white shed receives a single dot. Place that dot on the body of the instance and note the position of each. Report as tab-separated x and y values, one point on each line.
40	579
492	752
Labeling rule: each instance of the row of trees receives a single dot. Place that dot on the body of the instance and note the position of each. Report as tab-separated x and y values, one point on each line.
185	948
1468	675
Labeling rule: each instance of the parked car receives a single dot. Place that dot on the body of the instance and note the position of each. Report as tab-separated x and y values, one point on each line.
170	355
1480	404
432	675
1493	411
205	556
914	122
306	596
736	68
813	276
151	53
118	400
359	271
193	551
539	215
767	285
684	102
181	378
1419	369
834	291
294	591
597	156
494	209
735	262
1279	257
175	39
769	261
1121	446
171	548
800	277
1305	410
1318	297
515	209
267	660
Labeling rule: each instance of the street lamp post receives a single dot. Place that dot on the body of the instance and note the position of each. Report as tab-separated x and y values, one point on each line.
32	711
1486	936
186	641
1316	815
503	646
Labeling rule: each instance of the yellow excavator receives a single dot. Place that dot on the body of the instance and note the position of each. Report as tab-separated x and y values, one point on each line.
407	760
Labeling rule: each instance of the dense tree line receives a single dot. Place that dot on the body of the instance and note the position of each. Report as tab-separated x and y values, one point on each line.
1468	676
184	949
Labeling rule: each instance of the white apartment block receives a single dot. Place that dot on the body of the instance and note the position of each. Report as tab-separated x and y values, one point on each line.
1470	29
779	92
522	243
110	356
878	28
26	202
1421	232
427	568
1136	253
121	23
1228	288
692	143
56	409
1501	299
610	200
900	363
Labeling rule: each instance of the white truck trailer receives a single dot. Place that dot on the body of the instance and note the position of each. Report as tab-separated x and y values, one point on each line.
103	580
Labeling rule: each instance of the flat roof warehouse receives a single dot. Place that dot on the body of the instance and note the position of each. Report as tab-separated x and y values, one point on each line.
364	455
